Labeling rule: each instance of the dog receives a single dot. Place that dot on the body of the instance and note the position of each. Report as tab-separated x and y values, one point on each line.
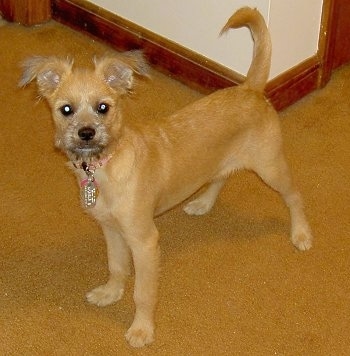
130	172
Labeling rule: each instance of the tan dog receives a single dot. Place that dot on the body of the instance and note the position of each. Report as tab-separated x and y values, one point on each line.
143	169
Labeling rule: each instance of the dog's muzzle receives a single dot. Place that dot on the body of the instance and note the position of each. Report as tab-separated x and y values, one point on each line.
87	146
84	141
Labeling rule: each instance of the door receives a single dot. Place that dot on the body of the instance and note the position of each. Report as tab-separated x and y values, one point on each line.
335	37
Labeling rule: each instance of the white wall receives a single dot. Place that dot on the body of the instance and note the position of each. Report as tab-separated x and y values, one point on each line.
294	27
195	24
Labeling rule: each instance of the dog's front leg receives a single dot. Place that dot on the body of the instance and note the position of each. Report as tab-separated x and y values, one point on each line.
145	251
119	268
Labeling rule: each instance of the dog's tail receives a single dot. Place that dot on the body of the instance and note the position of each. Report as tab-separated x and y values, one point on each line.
259	70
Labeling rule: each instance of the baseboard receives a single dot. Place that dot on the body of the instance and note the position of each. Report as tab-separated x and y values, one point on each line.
183	64
294	84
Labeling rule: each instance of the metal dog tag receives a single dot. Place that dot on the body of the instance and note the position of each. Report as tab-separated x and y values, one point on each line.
88	192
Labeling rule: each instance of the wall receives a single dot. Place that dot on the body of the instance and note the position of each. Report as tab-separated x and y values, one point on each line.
195	24
294	27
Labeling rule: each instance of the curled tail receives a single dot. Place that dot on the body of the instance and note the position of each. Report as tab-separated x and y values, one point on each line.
259	70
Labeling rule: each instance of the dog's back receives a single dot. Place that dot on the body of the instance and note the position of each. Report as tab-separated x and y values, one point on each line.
212	137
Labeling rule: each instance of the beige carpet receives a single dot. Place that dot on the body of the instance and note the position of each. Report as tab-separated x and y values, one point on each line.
232	283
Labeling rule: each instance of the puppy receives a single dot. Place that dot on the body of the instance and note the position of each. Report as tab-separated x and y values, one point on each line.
143	169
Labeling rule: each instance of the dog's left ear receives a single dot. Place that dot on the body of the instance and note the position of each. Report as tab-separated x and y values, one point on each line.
118	72
48	72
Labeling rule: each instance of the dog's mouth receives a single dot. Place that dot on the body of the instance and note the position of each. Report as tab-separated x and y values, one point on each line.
86	151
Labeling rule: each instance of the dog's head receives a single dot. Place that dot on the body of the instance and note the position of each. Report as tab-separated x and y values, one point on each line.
85	102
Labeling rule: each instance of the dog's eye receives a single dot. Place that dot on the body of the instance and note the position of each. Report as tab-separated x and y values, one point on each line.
102	108
66	110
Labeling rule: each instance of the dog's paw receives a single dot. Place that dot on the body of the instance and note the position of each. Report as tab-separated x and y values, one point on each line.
140	334
302	240
197	207
105	295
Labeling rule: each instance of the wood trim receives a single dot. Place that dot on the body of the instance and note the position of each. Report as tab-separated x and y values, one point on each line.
183	64
326	45
294	84
26	12
335	37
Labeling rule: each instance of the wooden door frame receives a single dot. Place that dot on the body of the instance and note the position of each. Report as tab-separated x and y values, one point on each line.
26	12
327	40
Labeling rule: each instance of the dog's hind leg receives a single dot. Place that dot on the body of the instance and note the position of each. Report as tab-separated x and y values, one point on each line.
206	200
119	268
276	174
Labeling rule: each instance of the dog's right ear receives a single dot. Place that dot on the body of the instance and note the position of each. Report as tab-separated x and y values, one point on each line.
48	72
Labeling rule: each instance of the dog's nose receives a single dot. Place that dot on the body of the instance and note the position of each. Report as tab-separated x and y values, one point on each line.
86	133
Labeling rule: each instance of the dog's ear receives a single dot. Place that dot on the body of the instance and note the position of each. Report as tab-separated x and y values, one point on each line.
118	72
48	72
136	60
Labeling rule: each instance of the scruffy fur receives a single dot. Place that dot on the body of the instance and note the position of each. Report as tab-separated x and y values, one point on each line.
149	167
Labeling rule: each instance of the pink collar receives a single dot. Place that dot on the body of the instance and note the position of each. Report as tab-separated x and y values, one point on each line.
92	165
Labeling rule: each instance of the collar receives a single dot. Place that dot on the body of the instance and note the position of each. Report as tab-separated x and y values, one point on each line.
92	164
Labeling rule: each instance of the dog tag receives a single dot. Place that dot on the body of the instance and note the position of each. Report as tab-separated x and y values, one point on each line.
88	192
